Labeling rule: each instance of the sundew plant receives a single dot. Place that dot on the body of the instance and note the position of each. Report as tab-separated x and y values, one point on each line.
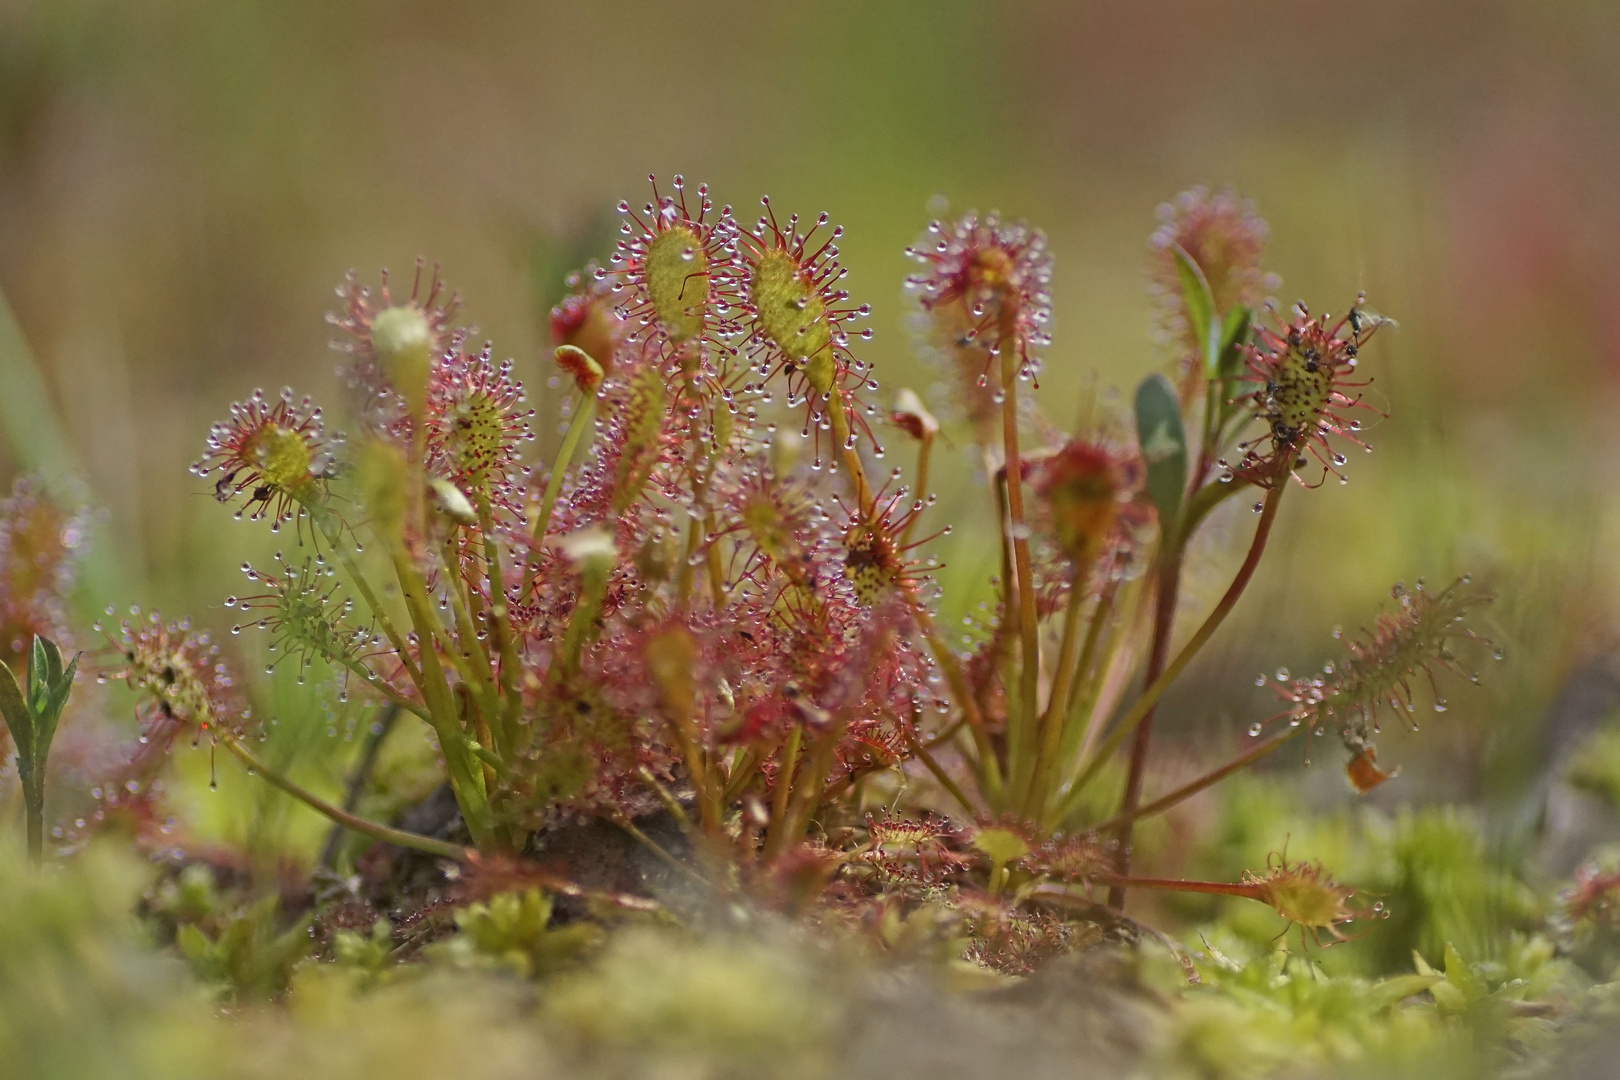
710	619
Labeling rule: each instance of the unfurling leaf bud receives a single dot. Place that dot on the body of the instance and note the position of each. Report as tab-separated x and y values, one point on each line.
912	416
585	318
592	550
1083	488
403	342
1363	772
578	365
450	499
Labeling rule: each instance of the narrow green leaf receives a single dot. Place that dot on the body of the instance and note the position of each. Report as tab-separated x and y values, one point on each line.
1163	443
1451	1000
1460	975
45	719
1395	990
44	673
53	655
19	718
1198	300
196	948
1234	333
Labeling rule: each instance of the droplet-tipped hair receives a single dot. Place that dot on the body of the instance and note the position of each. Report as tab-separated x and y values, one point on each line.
1303	371
275	455
380	402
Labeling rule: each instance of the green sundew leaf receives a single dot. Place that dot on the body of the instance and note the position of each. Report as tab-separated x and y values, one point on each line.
1199	302
19	719
1163	442
1393	991
1233	333
1002	845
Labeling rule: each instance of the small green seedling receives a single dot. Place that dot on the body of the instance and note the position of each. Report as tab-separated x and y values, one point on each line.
32	719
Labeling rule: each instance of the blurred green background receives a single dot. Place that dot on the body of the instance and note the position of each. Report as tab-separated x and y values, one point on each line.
183	182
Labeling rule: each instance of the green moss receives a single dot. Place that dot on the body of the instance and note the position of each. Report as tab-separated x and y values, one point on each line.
1596	767
740	1001
513	932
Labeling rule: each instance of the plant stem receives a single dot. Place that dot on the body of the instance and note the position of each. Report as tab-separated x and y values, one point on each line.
1164	620
1193	787
924	449
358	779
34	809
1154	690
1218	888
383	689
475	663
852	459
465	780
386	834
784	787
1008	345
940	774
1078	687
565	453
358	581
743	770
500	617
663	795
988	774
661	853
1051	728
810	781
